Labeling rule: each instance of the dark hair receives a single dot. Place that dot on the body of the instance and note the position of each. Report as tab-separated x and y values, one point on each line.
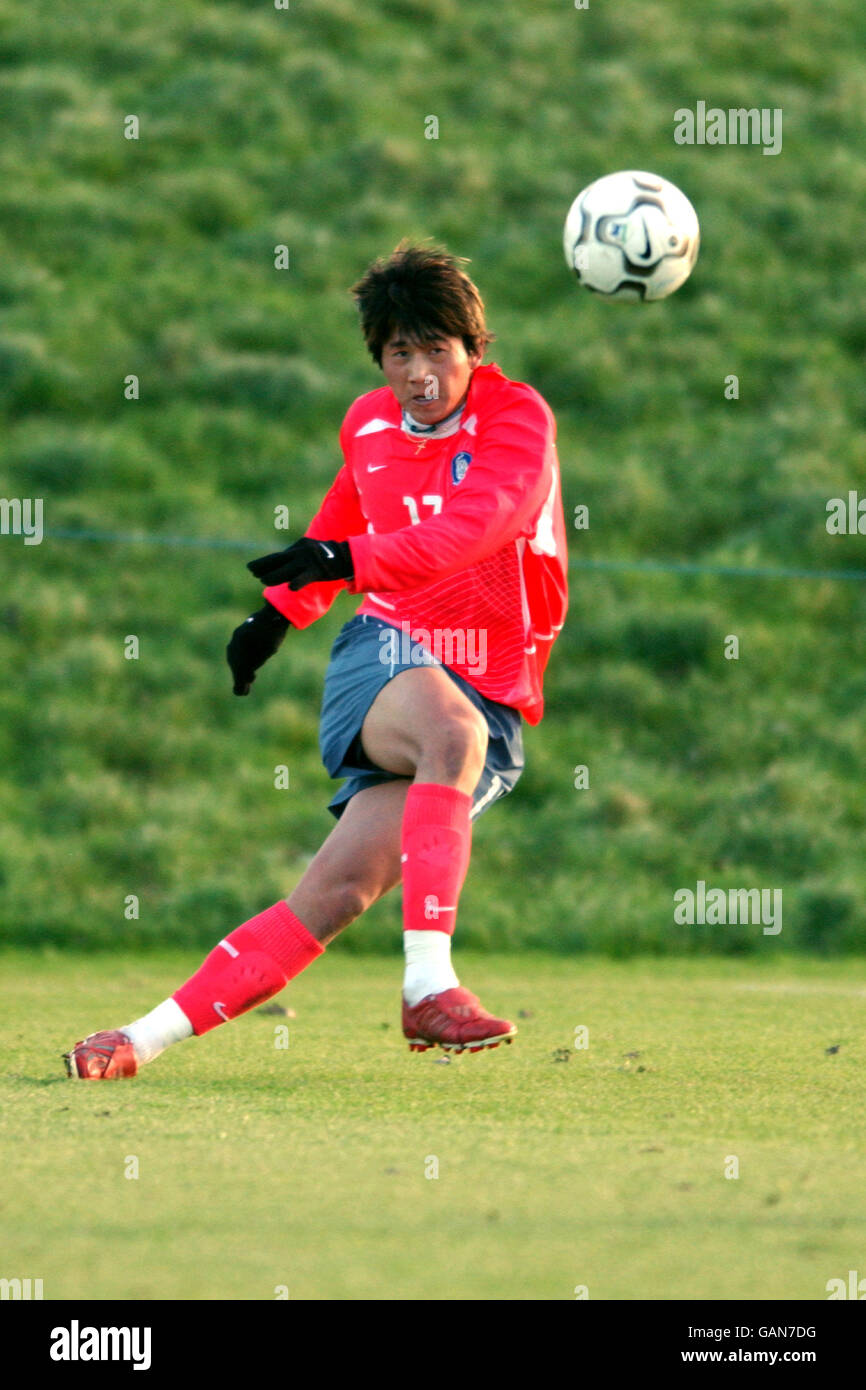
422	293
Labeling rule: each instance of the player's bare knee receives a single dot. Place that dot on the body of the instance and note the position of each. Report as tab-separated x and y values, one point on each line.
459	747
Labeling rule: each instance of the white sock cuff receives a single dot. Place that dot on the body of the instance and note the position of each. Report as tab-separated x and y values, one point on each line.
428	965
152	1034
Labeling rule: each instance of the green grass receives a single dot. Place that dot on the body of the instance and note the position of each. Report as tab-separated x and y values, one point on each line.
305	1167
155	257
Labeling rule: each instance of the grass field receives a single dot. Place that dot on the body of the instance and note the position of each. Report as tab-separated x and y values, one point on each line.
145	779
304	1167
155	257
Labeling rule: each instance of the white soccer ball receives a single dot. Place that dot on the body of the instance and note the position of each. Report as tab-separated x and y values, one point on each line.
631	236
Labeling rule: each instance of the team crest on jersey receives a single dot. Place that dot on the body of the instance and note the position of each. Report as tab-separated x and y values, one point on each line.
459	465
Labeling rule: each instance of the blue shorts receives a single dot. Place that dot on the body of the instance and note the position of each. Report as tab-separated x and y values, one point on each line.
355	675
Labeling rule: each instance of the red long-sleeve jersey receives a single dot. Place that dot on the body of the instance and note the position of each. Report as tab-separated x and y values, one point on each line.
463	535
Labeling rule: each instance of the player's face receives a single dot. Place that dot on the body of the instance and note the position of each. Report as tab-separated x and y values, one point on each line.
429	379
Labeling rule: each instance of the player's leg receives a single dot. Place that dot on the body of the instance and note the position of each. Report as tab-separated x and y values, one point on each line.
358	863
422	724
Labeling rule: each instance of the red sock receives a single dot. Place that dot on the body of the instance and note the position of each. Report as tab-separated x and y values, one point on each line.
436	842
250	965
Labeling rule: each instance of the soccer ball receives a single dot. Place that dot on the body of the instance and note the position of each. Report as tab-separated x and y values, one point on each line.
631	236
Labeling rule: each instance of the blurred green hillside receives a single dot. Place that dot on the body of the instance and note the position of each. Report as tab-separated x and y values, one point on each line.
155	257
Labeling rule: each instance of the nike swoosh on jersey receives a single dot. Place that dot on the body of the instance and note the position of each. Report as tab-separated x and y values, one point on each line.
374	467
329	553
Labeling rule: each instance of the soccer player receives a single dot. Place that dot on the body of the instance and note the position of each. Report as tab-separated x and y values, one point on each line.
446	515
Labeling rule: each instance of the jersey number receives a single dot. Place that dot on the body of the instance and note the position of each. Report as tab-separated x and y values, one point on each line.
429	500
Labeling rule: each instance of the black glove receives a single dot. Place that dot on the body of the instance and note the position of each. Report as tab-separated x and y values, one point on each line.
305	562
257	638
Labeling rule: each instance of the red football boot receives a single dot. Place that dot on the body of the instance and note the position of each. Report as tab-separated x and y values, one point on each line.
101	1057
455	1021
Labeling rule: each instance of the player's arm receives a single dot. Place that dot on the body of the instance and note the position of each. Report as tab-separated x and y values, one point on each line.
256	639
252	644
320	560
499	500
